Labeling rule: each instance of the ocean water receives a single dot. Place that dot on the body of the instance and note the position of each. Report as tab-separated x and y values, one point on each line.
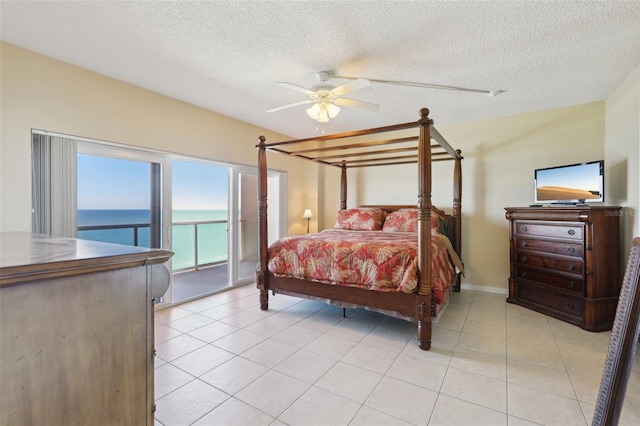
212	238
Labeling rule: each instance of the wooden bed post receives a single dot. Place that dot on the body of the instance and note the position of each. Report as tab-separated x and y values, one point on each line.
343	186
262	225
424	298
457	210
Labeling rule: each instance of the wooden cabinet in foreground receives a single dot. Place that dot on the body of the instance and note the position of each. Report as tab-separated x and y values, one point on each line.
76	331
565	262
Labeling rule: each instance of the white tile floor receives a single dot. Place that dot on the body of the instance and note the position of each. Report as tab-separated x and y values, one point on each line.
223	361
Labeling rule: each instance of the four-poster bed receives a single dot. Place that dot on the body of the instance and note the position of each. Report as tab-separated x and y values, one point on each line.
390	145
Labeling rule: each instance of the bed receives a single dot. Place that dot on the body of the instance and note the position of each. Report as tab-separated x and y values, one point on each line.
346	278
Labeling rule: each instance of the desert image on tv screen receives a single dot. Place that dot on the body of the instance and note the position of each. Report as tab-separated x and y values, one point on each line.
563	193
580	182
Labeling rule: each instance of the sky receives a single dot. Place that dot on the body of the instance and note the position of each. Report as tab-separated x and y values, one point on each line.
108	183
198	186
584	176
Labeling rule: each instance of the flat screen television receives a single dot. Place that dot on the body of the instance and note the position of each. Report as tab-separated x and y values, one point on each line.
570	184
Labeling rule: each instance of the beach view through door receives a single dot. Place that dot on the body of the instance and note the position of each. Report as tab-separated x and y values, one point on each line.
199	228
118	200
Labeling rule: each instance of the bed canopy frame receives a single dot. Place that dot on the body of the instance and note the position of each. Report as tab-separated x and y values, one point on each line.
389	145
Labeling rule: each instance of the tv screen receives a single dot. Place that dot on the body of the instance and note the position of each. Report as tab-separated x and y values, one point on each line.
570	184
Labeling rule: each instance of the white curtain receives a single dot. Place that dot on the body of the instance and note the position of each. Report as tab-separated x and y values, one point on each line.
54	185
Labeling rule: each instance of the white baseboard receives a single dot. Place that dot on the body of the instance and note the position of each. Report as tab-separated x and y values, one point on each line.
483	288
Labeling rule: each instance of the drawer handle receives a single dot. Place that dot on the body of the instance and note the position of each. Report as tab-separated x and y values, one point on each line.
571	232
523	244
525	292
571	305
571	284
523	273
523	228
571	249
570	267
523	259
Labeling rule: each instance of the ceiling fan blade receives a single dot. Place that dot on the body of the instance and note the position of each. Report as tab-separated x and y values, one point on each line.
309	101
356	84
298	88
356	104
491	93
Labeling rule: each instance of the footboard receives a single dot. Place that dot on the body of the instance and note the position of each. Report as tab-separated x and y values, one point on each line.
408	306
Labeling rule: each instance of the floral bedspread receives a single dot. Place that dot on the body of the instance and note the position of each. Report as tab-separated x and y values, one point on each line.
375	260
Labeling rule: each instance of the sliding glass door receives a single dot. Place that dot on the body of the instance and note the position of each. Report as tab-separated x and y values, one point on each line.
203	211
244	238
118	200
245	241
214	226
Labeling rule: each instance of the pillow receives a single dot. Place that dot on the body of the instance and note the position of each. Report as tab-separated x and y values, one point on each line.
406	220
362	219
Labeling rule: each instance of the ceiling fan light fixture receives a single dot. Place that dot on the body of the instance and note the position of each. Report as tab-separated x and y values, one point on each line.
333	110
327	99
322	111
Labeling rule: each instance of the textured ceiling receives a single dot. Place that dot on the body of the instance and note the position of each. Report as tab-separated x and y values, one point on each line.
227	56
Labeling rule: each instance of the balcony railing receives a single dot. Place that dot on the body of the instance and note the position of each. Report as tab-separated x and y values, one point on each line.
196	244
120	236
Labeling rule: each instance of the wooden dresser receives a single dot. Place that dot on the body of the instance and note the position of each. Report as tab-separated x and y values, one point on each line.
76	331
565	262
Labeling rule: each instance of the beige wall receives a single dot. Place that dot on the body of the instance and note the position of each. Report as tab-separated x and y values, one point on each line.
622	154
500	156
46	94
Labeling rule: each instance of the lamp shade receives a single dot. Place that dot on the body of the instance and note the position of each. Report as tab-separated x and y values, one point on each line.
323	110
307	214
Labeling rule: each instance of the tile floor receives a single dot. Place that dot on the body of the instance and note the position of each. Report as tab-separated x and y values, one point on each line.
223	361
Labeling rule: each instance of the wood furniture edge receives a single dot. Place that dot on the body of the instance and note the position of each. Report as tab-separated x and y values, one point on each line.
624	337
12	275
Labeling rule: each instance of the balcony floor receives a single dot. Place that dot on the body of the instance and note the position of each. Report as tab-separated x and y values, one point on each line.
188	285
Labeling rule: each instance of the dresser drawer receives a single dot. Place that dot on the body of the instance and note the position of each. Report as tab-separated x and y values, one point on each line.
566	304
566	248
572	284
570	265
558	230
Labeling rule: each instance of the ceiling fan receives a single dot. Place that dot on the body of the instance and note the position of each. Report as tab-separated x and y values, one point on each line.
327	99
